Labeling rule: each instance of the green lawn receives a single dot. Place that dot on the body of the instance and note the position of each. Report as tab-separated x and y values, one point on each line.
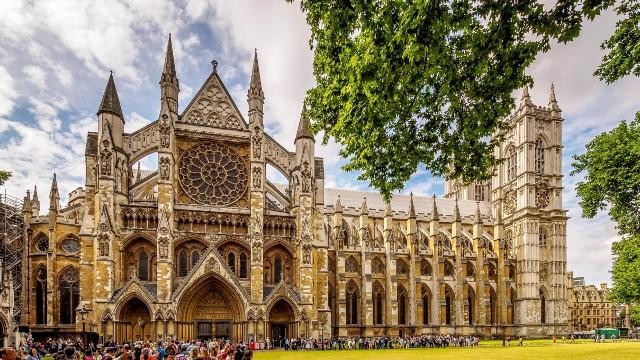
489	350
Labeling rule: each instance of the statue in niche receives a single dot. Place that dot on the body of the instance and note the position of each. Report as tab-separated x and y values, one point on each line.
305	173
257	143
257	177
164	168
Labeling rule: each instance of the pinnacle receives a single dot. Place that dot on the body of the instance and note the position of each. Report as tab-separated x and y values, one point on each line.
35	193
434	210
553	103
478	215
169	62
456	212
54	183
388	212
255	86
364	209
304	126
412	208
338	205
525	99
110	102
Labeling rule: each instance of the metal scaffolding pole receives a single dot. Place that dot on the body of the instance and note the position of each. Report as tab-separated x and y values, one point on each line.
11	248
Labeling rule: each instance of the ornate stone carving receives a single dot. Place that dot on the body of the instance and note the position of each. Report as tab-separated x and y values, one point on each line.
366	237
213	108
164	233
213	265
70	245
306	254
165	168
103	245
305	174
256	252
211	173
105	158
542	193
42	244
510	201
256	173
257	142
377	266
352	265
165	131
401	267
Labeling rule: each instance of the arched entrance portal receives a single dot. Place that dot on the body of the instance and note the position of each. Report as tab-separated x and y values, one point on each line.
281	322
134	322
210	308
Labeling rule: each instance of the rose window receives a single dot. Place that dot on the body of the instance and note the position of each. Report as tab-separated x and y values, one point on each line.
213	174
43	244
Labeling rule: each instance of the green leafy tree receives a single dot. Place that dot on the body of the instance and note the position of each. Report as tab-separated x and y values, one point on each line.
4	176
623	57
612	176
403	84
625	270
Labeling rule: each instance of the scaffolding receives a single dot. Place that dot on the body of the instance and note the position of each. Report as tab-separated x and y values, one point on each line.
11	248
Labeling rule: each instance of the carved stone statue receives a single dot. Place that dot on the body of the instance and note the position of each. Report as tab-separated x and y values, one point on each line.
165	172
257	177
257	143
305	173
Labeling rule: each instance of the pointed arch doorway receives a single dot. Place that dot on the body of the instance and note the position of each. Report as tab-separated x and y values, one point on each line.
134	321
281	322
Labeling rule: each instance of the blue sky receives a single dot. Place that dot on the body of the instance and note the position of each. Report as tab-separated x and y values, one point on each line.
55	58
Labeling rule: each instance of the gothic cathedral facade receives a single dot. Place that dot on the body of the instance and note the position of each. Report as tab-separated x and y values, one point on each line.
208	246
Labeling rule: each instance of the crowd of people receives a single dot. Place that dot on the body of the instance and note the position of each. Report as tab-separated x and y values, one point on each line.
214	349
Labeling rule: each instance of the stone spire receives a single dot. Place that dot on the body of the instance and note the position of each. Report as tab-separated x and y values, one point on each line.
110	102
255	95
456	212
388	212
478	219
364	209
35	202
169	85
434	210
412	208
26	203
553	103
304	126
525	99
54	196
338	205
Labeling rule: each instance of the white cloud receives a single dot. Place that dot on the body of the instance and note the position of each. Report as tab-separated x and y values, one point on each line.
36	75
8	93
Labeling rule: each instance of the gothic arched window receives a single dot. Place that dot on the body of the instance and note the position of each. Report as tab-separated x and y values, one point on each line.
353	296
479	192
277	270
195	257
41	296
542	238
426	306
378	303
543	308
69	295
448	301
143	266
401	297
539	156
183	263
231	261
512	163
243	266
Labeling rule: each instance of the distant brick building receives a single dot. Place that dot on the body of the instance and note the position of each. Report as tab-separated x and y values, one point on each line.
589	307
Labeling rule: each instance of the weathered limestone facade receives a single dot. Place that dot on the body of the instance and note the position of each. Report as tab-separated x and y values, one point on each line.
208	246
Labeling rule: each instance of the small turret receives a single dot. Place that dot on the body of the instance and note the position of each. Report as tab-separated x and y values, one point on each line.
525	99
478	218
110	101
553	103
304	126
26	203
388	212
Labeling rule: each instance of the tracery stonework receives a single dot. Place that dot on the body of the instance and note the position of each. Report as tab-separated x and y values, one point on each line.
213	174
211	216
542	193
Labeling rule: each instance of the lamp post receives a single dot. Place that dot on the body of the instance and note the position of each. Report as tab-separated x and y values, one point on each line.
83	315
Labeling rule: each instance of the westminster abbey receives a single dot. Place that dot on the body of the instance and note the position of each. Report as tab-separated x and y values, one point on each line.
208	246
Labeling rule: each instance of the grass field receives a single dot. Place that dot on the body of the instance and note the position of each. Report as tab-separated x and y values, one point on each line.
488	350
